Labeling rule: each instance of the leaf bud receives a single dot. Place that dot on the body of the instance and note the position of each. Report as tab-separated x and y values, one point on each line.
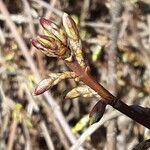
70	27
97	112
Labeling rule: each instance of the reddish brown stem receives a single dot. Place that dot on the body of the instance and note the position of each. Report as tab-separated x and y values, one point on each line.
85	77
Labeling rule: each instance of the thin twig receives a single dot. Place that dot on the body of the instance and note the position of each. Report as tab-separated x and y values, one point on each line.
27	137
97	25
46	5
52	119
27	10
47	136
17	18
12	135
112	62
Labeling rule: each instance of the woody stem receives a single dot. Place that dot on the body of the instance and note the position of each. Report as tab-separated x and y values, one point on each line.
108	98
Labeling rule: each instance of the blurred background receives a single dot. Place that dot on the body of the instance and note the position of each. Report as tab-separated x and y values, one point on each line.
116	45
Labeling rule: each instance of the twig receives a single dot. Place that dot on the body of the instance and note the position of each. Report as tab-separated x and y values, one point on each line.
108	98
27	137
148	22
46	5
85	10
97	24
27	11
93	128
3	130
23	47
112	57
32	105
49	13
17	18
12	135
52	119
47	136
2	37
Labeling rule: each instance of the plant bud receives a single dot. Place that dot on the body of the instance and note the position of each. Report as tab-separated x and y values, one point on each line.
48	25
47	42
70	27
43	86
53	30
39	46
54	78
51	47
97	112
83	91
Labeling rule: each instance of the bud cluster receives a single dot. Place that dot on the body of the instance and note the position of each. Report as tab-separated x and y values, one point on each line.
60	43
65	44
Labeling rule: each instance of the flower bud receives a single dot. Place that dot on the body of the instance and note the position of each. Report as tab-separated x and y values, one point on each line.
70	27
54	78
83	91
47	42
43	86
97	112
39	46
51	47
48	24
53	30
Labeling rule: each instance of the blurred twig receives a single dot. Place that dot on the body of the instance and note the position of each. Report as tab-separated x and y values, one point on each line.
27	10
85	10
52	118
112	62
47	136
12	135
46	5
27	137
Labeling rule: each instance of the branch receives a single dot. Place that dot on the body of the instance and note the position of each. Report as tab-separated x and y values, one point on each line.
84	76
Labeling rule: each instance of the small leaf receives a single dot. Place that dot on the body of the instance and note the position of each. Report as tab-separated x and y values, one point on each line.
97	112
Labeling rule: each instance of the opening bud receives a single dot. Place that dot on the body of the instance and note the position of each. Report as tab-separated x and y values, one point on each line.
47	42
41	47
70	27
43	86
82	90
53	30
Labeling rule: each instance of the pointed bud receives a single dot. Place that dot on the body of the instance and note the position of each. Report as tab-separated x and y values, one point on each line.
48	24
47	42
83	91
36	44
43	86
97	112
51	47
52	29
39	46
54	78
70	27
